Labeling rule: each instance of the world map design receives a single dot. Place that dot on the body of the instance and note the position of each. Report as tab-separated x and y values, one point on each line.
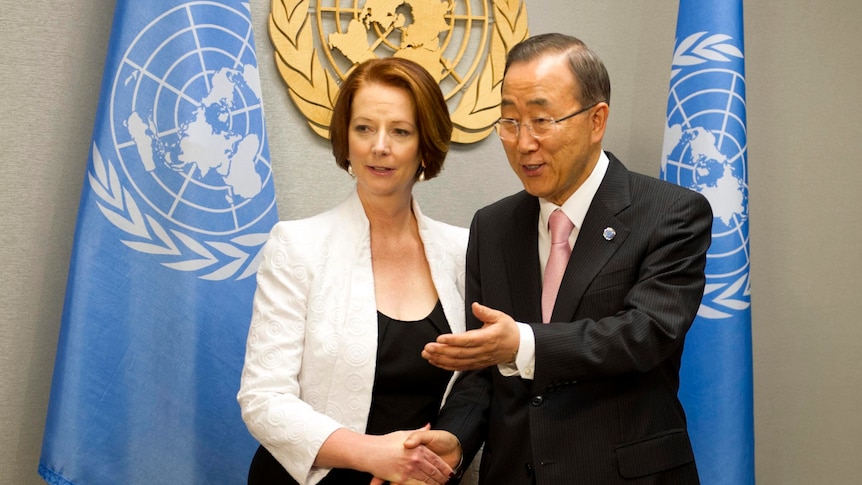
420	30
705	149
420	40
712	172
188	121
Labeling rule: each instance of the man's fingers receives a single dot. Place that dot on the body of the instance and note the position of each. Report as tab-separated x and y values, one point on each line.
463	339
458	365
417	438
479	310
436	352
454	352
484	313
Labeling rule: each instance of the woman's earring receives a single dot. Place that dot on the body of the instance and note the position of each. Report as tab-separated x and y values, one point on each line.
422	173
350	170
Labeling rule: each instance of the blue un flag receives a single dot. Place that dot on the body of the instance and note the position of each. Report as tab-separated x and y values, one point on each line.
177	202
705	149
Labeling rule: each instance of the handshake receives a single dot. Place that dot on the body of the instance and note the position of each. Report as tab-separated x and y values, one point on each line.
421	456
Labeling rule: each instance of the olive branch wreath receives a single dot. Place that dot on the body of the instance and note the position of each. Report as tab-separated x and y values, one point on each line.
222	260
725	298
713	48
313	89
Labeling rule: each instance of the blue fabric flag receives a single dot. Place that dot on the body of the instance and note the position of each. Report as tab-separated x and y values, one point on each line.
177	202
705	149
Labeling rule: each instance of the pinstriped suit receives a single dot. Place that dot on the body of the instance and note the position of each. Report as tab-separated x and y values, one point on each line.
602	407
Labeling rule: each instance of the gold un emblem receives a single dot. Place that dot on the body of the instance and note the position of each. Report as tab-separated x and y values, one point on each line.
459	42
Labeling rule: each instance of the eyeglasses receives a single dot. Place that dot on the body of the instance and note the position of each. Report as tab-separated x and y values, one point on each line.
539	128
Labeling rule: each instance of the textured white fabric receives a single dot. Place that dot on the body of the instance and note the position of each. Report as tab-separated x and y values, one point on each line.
561	227
312	343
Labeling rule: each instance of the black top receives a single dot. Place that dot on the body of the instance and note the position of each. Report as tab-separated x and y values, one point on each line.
407	393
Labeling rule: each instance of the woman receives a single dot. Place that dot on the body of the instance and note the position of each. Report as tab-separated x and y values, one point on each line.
347	299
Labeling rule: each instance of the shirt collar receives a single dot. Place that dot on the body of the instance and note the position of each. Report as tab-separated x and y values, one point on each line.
576	206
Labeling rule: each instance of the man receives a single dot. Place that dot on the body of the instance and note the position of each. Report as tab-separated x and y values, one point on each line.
591	397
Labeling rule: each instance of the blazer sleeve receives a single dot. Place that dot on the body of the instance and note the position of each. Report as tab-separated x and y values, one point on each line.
269	390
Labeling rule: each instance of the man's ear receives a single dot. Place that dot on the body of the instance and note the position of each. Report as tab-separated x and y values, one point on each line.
599	117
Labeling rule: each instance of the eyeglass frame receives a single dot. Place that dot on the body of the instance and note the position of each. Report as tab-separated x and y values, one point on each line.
552	121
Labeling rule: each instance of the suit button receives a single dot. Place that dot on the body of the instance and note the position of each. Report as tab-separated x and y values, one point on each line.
537	400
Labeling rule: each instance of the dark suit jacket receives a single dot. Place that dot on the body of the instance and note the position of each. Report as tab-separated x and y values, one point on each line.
602	407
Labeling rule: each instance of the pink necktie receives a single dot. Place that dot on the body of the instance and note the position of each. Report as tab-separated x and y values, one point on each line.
561	227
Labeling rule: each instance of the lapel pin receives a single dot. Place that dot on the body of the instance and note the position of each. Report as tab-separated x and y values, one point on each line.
609	233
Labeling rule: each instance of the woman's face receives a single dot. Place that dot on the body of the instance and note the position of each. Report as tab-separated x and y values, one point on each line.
383	141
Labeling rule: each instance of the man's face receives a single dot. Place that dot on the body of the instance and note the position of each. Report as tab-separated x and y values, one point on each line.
555	165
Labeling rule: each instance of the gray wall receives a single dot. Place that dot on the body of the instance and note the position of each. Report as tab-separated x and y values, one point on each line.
803	78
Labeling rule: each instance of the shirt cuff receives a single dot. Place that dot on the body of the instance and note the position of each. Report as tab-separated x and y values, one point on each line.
525	360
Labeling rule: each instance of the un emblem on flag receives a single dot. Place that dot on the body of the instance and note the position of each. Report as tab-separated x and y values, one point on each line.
191	177
705	149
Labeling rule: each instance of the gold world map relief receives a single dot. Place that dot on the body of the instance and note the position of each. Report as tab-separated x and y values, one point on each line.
462	43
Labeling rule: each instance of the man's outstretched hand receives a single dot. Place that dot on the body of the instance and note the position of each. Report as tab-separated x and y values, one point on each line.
495	343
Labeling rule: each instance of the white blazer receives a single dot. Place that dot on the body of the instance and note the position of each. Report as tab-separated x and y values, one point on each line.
312	343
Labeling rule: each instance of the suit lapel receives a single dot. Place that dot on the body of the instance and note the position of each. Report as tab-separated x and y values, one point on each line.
594	248
521	249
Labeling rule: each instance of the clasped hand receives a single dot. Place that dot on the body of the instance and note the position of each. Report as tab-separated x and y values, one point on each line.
495	343
401	457
441	445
